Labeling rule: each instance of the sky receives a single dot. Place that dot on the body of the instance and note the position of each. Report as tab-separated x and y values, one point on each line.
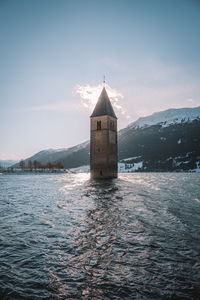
54	54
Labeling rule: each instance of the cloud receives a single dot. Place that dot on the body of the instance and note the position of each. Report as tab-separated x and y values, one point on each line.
89	95
58	106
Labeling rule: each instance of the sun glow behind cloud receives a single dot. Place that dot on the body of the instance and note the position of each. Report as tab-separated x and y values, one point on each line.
89	95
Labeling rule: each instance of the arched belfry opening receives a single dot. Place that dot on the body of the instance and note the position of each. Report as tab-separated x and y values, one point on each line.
103	139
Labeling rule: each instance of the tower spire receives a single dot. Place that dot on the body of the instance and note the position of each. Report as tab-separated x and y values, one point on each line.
104	80
103	106
103	138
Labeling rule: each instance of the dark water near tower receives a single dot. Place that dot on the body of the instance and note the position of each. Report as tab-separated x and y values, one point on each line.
65	237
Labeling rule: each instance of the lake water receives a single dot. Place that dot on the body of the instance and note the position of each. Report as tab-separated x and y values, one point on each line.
65	237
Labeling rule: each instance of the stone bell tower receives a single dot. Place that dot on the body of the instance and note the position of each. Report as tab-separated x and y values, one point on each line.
103	139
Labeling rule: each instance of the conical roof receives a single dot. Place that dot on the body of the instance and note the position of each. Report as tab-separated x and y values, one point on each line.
103	106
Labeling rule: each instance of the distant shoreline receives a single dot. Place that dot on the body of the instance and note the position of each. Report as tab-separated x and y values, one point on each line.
65	171
39	171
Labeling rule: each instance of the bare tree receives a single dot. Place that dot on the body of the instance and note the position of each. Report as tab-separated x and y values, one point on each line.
59	165
35	164
30	165
49	165
22	164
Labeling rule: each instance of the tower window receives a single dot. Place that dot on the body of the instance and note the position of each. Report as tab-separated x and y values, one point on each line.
111	125
101	173
98	125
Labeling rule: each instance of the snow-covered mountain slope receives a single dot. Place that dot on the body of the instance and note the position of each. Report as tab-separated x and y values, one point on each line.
168	117
7	163
63	150
165	141
53	155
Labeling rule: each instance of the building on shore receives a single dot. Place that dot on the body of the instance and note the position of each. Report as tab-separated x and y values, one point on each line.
103	139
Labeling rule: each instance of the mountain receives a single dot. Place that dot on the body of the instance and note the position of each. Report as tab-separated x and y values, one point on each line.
7	163
70	157
168	117
164	141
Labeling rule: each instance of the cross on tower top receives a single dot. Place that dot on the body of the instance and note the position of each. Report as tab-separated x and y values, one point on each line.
104	80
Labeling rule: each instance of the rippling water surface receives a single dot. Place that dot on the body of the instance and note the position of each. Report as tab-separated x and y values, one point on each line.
66	237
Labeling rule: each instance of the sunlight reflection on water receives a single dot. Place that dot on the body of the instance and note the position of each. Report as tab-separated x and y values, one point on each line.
69	237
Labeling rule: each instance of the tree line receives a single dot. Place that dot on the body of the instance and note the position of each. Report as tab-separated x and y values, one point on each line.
34	165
